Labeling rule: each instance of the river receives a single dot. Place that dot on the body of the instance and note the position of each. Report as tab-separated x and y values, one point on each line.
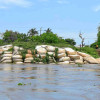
49	82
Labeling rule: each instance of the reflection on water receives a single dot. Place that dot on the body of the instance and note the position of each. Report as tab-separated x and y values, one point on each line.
49	82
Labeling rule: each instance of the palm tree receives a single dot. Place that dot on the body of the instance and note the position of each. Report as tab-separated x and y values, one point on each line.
32	32
48	30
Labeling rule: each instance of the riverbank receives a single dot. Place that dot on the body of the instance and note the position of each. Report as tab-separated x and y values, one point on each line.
45	54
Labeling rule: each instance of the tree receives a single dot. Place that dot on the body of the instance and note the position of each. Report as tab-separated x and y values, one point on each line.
32	32
70	41
48	30
22	37
49	38
10	36
82	42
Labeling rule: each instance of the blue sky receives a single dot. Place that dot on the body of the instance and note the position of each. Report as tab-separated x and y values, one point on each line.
65	17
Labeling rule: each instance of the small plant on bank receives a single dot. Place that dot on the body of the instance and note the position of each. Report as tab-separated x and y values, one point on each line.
23	53
46	59
56	55
79	65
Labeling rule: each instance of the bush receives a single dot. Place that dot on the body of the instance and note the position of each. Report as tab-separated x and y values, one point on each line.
49	38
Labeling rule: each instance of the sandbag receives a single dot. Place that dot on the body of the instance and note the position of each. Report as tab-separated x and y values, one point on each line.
71	52
64	63
17	57
41	55
64	59
61	55
7	52
60	50
98	59
83	54
78	61
7	55
91	60
41	51
29	55
5	58
51	53
17	60
7	61
50	49
27	61
29	58
74	57
69	49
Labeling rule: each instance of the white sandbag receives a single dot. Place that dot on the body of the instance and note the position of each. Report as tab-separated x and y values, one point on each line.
41	55
37	47
71	52
83	54
7	55
91	60
60	50
69	49
44	46
16	48
64	59
51	53
64	63
17	60
79	61
50	49
29	59
21	48
61	55
74	57
98	59
17	57
7	52
5	49
41	51
7	61
5	58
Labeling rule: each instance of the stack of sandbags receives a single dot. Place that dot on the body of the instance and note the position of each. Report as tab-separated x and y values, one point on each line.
6	57
63	59
29	57
74	56
17	58
88	58
51	53
41	52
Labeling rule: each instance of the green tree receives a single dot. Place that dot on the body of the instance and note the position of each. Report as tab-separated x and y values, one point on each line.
10	36
22	37
48	30
70	41
49	38
32	32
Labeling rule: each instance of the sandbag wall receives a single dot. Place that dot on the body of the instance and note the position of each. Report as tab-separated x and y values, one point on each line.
45	54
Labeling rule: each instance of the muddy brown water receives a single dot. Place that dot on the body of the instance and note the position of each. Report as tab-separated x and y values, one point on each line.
49	82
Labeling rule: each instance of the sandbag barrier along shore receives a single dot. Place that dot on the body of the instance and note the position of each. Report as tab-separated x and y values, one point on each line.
45	54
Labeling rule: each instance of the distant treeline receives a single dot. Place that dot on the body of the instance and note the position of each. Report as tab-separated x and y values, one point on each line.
33	35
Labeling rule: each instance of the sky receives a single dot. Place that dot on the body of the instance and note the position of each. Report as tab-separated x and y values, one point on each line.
66	18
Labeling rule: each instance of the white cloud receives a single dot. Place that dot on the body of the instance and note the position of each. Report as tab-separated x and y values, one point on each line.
62	2
3	7
22	3
97	8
